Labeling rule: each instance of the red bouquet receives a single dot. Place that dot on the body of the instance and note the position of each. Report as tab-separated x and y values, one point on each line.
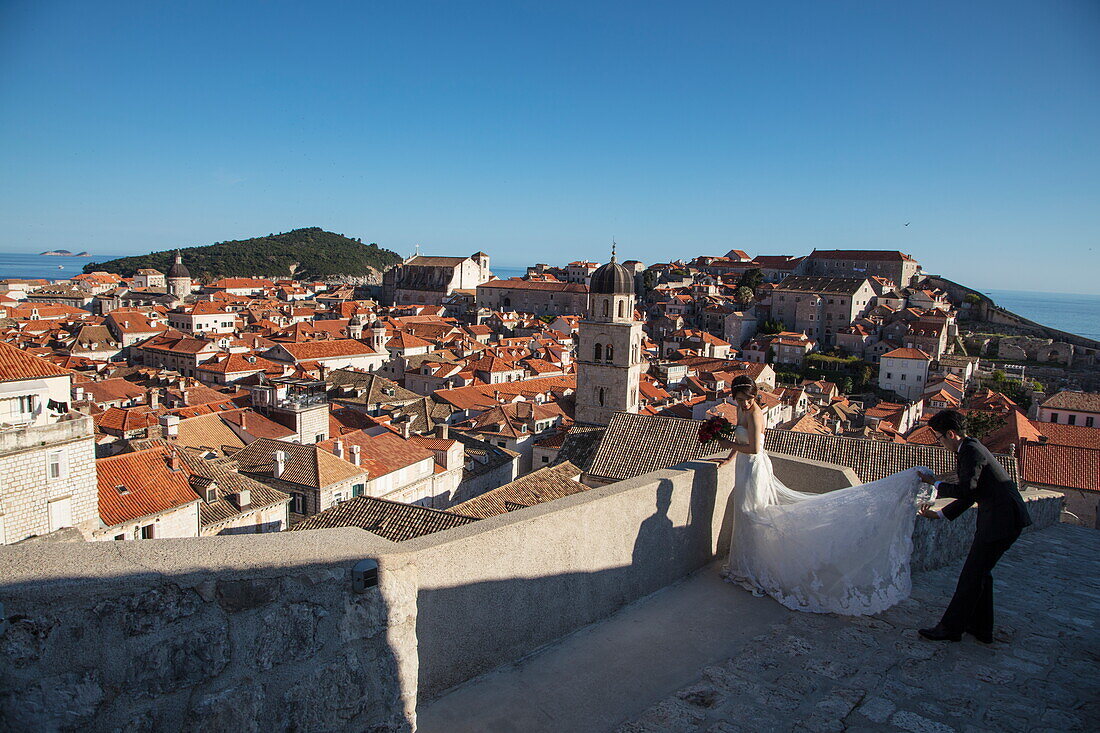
716	428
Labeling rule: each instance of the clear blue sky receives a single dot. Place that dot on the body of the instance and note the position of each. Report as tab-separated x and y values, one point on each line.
538	131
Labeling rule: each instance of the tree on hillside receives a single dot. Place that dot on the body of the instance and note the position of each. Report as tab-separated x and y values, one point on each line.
751	279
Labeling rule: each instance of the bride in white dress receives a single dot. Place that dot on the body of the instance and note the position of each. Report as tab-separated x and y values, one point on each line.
844	551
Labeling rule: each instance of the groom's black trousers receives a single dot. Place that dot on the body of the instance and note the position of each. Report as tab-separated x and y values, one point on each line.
971	608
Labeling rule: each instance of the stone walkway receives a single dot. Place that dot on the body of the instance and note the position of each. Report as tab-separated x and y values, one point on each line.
832	673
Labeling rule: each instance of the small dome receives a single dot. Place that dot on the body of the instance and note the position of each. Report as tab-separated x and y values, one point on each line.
611	279
178	269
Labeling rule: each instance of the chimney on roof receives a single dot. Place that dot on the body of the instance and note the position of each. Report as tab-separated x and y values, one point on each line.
443	430
406	428
338	448
280	463
355	454
152	398
244	499
78	394
174	460
169	426
525	410
496	396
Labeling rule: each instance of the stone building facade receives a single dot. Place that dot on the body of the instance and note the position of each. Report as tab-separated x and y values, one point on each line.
820	306
541	297
899	267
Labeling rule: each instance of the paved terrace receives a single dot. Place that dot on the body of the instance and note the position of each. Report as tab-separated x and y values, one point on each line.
702	655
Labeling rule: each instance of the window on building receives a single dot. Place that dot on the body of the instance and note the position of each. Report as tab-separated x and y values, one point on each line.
1071	419
1054	417
889	375
600	396
500	443
620	309
605	308
17	409
297	503
148	531
337	497
357	489
546	459
610	352
55	465
120	537
598	352
1088	422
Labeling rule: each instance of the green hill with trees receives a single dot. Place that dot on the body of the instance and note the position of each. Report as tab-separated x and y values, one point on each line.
306	254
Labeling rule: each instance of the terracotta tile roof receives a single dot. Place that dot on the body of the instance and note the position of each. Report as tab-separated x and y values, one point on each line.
481	396
256	424
235	363
1076	401
538	487
549	285
124	420
887	255
1071	435
870	459
112	390
907	353
1062	465
636	444
306	465
380	454
805	424
312	350
391	520
150	486
208	431
403	340
17	365
814	284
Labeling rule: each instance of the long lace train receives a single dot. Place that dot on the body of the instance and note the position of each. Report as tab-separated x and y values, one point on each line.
843	552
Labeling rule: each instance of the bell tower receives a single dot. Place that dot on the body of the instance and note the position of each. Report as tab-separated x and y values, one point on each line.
609	347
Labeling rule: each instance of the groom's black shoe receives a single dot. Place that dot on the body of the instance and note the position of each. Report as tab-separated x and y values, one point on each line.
982	636
938	633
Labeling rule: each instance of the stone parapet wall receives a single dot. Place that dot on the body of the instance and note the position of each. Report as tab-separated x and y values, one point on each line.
937	542
265	632
196	635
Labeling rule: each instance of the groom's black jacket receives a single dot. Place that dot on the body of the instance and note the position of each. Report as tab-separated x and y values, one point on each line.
985	482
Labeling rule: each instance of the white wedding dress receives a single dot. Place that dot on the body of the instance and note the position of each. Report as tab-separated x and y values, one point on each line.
844	551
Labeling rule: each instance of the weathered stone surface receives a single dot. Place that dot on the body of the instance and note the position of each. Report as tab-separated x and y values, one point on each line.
153	609
671	716
234	709
332	695
810	671
288	633
241	595
24	639
178	661
364	616
62	702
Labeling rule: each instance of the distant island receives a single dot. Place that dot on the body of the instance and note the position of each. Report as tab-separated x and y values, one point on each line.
310	253
63	253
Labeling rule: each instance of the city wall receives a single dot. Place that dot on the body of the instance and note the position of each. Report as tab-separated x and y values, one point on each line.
267	631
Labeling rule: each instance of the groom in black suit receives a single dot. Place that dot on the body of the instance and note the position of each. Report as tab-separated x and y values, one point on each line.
1002	515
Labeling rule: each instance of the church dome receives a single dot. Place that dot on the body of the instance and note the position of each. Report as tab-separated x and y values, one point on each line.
611	279
178	269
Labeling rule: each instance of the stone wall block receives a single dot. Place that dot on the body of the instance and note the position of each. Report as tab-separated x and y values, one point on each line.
24	639
364	616
288	633
66	702
153	610
180	660
237	708
241	595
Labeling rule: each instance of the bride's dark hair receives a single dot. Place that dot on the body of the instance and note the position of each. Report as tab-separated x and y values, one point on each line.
744	384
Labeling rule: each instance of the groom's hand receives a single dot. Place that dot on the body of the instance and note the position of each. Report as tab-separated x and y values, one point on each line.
926	477
928	512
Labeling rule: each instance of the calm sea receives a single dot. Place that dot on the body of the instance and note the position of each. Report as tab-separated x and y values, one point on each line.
1079	314
31	266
